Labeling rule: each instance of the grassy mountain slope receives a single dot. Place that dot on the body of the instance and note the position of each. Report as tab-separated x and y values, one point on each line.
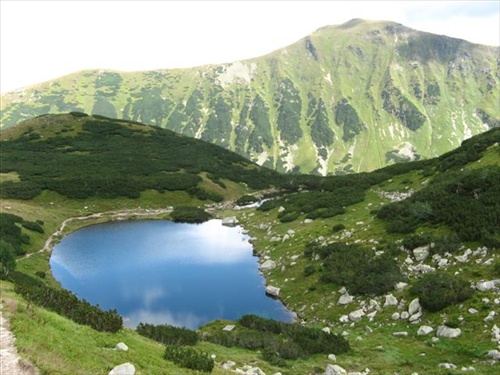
344	99
358	231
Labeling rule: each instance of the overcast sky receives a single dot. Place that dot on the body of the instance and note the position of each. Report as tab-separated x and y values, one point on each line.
43	40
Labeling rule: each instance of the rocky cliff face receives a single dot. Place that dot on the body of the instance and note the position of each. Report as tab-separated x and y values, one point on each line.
344	99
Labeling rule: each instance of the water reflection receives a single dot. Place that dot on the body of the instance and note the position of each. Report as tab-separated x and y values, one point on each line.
162	272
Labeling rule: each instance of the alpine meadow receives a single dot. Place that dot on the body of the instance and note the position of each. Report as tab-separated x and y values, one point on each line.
363	161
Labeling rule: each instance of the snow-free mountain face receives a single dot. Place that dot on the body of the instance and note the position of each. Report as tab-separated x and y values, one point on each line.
344	99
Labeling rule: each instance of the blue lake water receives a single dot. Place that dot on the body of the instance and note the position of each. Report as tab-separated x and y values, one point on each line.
160	272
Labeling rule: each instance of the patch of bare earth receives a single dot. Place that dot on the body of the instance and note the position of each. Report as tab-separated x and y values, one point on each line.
10	362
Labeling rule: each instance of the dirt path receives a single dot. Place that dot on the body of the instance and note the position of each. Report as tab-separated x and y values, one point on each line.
111	215
10	362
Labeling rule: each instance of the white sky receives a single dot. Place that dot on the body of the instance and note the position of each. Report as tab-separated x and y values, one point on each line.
43	40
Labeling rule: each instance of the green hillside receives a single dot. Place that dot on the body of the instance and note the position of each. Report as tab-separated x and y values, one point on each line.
347	98
350	254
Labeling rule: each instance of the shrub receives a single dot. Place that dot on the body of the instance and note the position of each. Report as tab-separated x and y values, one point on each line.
439	290
357	268
309	270
33	226
67	304
7	258
186	214
338	227
168	334
189	358
246	199
78	114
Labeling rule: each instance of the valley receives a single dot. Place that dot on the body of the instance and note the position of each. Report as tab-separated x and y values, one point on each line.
346	252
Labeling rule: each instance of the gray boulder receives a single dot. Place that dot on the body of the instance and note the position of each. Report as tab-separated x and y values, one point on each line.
490	317
495	354
273	291
334	370
400	334
121	347
487	285
421	253
390	300
123	369
449	366
445	331
268	265
415	317
228	364
414	306
356	315
230	221
424	330
345	299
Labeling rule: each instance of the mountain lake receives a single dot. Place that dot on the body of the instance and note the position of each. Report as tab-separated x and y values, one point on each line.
161	272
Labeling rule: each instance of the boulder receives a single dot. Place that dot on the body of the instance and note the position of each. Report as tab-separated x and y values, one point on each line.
268	265
335	370
332	357
424	330
228	364
445	331
123	369
443	263
272	291
415	317
449	366
374	305
390	300
400	286
355	316
230	221
421	253
371	315
395	316
414	306
345	299
490	317
121	347
228	328
495	354
487	285
400	334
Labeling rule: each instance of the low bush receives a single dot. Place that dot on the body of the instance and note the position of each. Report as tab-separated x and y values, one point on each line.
309	270
246	199
437	291
338	227
186	214
168	334
67	304
356	268
189	358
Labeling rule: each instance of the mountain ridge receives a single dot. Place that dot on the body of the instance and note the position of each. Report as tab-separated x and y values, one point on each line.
346	98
